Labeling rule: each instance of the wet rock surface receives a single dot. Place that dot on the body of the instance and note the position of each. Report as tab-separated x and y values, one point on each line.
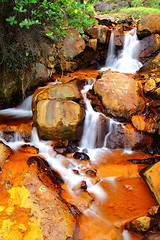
120	95
56	114
33	198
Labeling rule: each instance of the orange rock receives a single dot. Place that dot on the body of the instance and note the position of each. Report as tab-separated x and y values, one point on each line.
142	123
30	205
119	94
148	25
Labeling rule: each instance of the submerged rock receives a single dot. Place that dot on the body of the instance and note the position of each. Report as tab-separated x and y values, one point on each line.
120	95
81	156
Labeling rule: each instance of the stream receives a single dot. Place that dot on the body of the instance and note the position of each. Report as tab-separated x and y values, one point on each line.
116	193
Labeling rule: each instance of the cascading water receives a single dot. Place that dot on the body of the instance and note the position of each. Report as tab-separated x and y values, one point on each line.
127	61
68	167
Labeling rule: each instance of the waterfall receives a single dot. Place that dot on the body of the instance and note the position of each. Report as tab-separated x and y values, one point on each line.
127	61
22	111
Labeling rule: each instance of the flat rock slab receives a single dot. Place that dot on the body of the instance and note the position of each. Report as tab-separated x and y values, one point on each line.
31	206
152	179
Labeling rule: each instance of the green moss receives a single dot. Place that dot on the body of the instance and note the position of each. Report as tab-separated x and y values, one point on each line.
138	12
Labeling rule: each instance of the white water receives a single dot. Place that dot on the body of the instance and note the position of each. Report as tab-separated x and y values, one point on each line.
23	110
127	61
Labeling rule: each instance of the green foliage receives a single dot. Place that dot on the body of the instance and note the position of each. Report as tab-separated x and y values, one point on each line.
146	3
138	12
60	14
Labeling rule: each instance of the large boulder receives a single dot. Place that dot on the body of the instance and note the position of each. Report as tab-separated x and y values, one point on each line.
56	112
149	25
120	95
148	46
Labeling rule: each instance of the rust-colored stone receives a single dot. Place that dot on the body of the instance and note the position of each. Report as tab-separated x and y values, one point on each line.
151	177
148	25
119	94
30	205
73	44
144	123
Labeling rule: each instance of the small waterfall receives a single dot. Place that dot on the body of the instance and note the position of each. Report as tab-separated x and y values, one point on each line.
21	111
127	61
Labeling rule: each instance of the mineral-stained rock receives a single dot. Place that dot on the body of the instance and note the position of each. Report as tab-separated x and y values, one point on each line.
5	153
58	119
149	25
119	94
148	46
31	205
73	44
56	114
119	37
126	136
99	32
143	123
151	177
141	224
153	65
149	86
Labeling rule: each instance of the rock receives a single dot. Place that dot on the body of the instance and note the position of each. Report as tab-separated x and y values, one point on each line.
73	44
149	86
156	93
127	137
153	65
120	95
152	236
92	43
33	196
55	113
28	149
99	32
66	91
5	153
81	156
69	66
149	25
57	119
144	123
141	224
154	211
119	37
41	73
148	46
151	177
108	20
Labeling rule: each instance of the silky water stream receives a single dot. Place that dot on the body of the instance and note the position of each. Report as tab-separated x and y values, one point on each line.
114	193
